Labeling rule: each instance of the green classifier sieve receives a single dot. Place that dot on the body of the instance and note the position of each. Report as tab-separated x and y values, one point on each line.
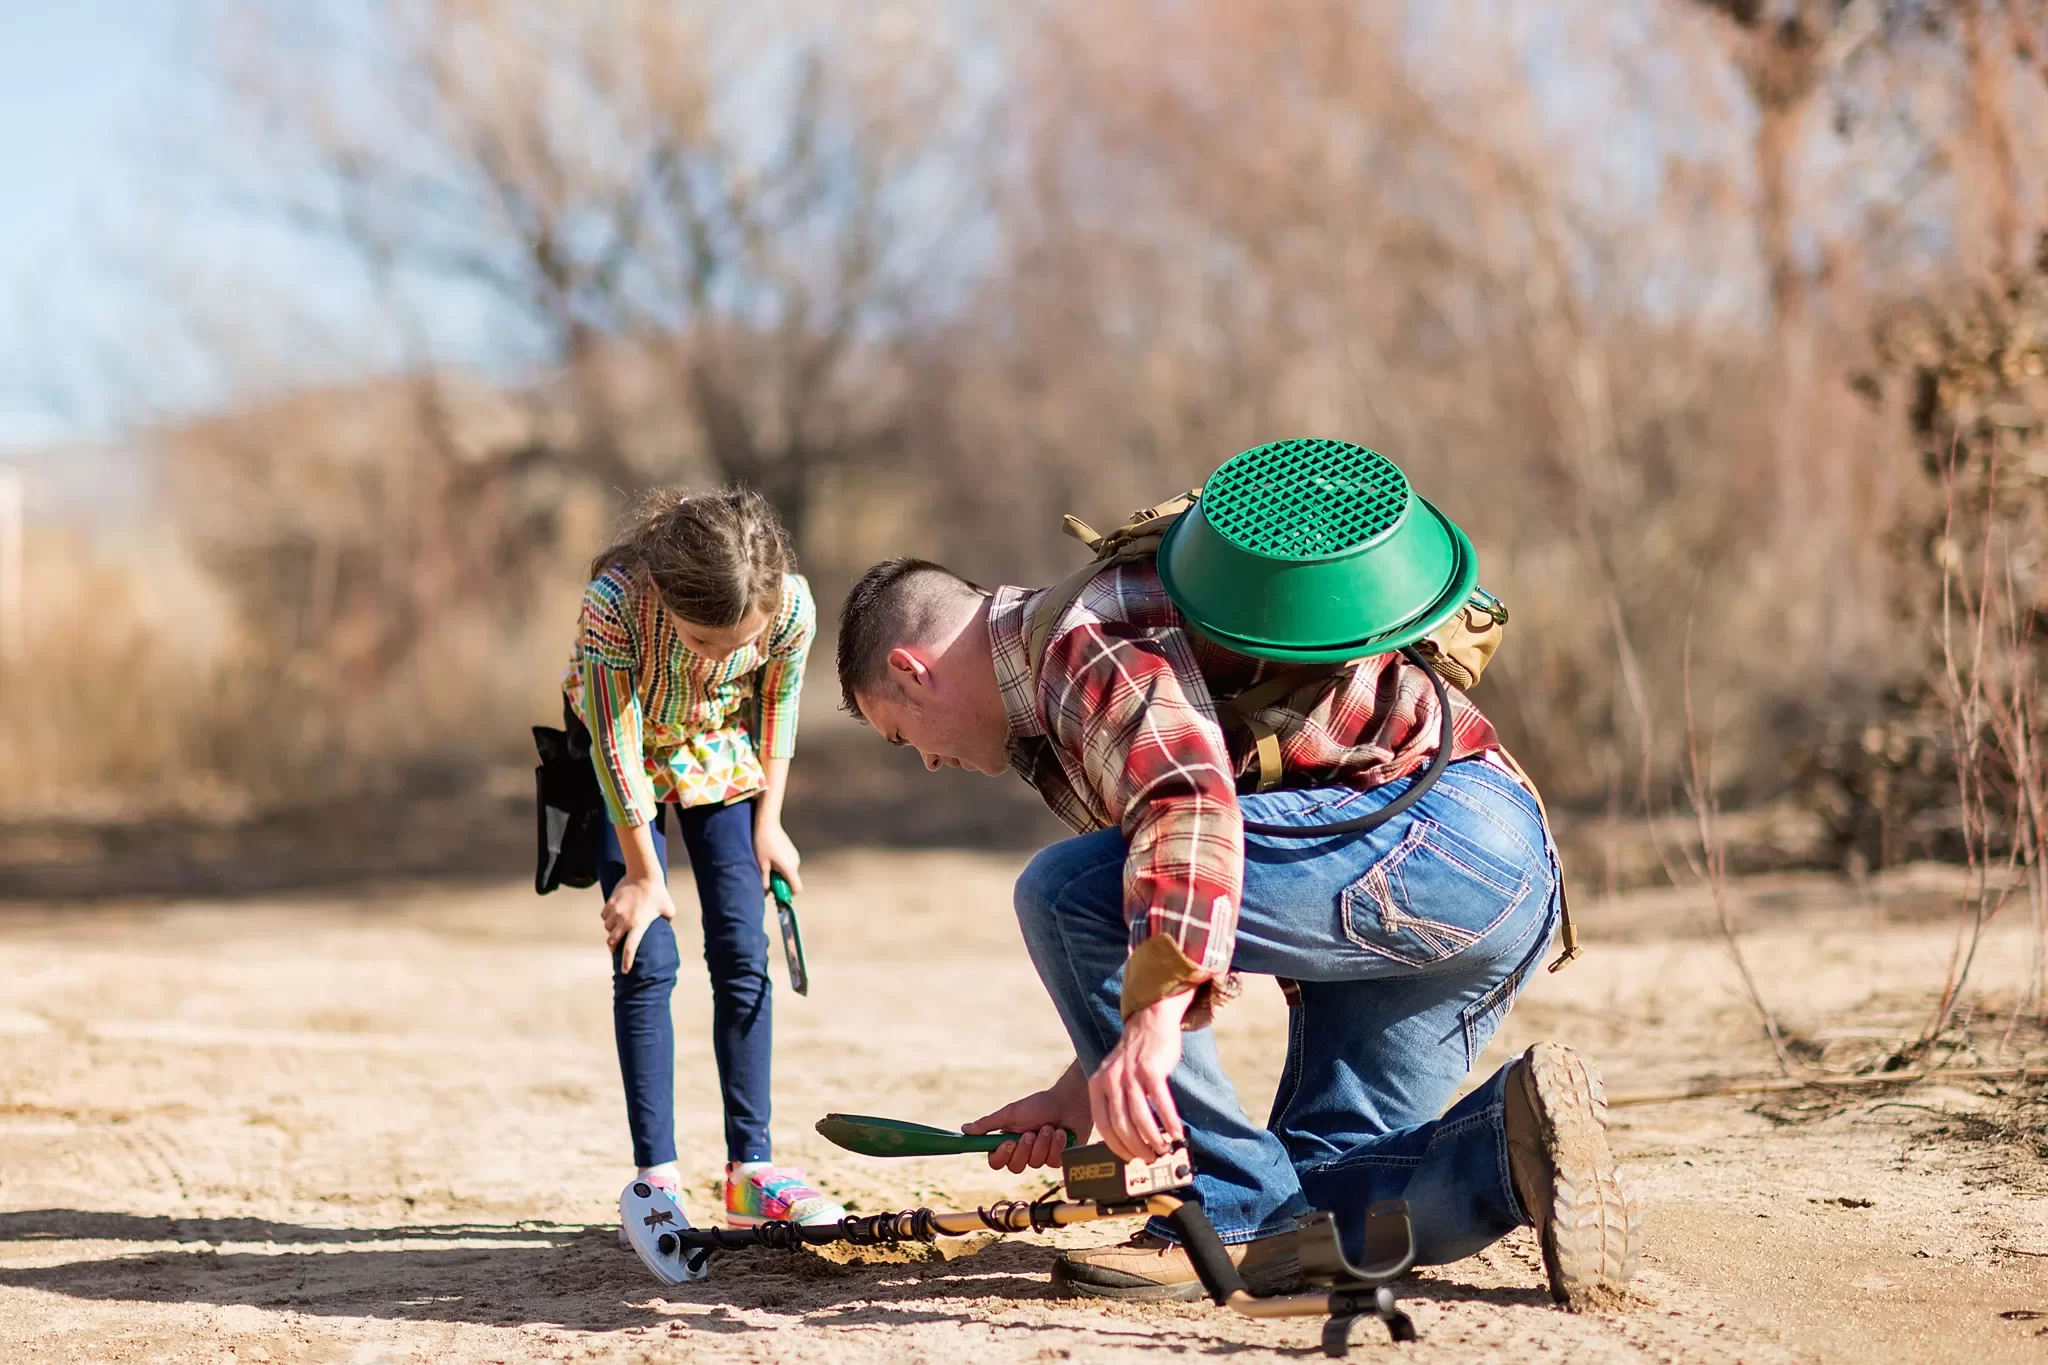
1315	552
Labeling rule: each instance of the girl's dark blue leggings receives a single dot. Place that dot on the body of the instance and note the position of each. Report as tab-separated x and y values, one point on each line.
720	841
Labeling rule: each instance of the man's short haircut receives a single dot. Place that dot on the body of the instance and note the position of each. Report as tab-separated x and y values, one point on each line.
898	602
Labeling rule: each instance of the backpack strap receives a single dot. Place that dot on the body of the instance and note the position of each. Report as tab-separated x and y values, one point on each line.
1044	613
1246	705
1138	538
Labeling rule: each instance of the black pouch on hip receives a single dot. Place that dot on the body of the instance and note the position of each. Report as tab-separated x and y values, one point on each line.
569	806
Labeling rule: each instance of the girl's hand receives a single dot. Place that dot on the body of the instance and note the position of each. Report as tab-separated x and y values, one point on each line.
774	851
1128	1093
634	906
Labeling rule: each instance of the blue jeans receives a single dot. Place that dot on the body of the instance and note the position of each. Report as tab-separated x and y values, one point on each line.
720	840
1409	944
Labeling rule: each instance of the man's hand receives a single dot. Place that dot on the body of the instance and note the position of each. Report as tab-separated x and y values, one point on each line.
635	904
1043	1122
774	851
1128	1095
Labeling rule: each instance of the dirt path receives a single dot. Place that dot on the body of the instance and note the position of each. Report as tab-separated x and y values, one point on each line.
390	1131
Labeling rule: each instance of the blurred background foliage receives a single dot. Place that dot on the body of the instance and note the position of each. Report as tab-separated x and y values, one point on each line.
1721	327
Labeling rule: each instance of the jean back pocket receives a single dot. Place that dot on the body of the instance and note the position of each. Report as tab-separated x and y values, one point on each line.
1435	895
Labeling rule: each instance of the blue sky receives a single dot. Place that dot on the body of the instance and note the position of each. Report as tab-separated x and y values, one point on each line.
112	209
112	153
102	104
78	79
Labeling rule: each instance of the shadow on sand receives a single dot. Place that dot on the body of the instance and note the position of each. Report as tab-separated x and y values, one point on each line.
569	1276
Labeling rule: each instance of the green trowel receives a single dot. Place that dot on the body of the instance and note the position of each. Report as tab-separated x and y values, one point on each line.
792	933
871	1136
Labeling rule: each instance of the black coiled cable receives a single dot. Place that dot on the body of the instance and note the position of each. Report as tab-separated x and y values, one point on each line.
1042	1213
1374	819
875	1230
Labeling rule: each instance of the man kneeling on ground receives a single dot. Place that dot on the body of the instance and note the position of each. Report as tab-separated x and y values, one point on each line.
1399	949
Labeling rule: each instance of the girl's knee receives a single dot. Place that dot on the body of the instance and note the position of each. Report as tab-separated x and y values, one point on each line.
655	961
735	965
743	990
735	940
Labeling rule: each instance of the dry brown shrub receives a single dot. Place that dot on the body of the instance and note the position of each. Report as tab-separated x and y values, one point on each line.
930	318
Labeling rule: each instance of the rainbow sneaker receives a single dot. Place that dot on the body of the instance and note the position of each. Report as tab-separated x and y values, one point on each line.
758	1192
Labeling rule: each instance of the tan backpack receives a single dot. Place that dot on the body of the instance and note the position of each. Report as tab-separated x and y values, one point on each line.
1456	651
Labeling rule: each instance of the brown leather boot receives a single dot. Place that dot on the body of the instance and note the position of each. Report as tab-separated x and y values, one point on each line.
1587	1215
1151	1269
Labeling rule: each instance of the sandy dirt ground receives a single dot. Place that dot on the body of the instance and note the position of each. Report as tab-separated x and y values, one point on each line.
390	1130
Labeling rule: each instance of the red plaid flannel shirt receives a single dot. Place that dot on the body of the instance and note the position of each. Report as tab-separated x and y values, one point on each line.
1121	729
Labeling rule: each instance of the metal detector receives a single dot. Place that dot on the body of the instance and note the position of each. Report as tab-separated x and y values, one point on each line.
1098	1184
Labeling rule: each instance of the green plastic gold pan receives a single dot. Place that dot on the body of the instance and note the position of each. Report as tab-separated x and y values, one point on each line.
1315	552
872	1136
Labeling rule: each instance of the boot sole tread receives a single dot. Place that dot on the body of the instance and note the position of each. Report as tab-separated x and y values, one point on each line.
1593	1239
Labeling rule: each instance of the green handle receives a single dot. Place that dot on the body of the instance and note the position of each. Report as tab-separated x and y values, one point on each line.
792	934
871	1136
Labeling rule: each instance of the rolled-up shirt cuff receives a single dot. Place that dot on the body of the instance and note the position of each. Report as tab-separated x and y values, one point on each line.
1156	969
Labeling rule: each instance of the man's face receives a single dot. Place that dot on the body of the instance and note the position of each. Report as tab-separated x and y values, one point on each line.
944	719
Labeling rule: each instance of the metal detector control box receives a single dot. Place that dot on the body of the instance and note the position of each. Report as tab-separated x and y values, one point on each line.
1094	1174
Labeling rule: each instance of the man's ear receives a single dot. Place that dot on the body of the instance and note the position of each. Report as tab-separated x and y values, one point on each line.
909	671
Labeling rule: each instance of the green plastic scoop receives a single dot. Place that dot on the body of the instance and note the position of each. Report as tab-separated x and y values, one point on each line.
872	1136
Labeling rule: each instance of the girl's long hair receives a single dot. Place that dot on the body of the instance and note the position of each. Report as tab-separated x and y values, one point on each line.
713	557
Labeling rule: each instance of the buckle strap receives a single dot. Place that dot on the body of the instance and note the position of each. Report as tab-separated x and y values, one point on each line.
1265	739
1567	932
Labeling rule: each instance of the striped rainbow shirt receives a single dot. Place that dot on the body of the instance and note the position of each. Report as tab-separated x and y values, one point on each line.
668	724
